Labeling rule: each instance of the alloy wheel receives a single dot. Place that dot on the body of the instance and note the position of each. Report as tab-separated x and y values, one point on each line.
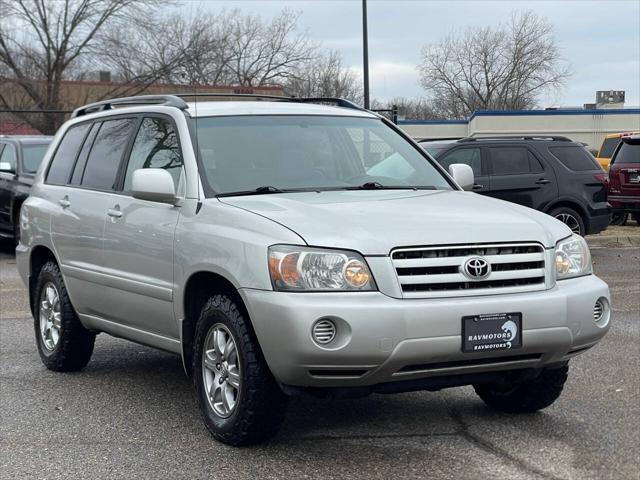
221	370
50	318
570	221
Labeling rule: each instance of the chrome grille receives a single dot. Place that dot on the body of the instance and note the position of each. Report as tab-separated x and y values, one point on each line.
440	271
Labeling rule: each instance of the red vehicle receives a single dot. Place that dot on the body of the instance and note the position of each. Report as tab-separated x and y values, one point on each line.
624	180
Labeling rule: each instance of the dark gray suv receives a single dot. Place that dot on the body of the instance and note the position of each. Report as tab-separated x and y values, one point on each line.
552	174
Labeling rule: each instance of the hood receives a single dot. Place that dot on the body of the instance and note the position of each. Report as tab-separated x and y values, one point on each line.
375	222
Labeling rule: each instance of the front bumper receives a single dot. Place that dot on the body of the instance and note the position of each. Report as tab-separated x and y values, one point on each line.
382	339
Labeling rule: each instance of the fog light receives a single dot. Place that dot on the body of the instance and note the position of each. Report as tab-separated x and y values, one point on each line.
324	331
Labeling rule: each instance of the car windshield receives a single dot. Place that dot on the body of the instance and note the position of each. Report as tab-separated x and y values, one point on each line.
32	156
270	154
608	146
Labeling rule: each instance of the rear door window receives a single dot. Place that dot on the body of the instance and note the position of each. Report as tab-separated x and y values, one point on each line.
467	156
513	161
66	153
575	158
101	170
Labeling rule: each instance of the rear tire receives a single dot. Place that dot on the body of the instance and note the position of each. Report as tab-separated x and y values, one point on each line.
570	218
239	399
63	343
525	397
618	219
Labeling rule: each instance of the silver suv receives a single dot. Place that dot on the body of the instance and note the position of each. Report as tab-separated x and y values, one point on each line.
289	246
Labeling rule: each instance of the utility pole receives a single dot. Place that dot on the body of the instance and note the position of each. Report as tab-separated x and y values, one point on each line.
365	53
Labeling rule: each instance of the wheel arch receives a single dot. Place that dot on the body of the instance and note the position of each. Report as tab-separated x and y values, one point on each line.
199	287
39	256
572	204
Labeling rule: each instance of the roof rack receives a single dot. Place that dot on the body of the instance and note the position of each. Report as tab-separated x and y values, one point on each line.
168	100
554	138
176	100
339	102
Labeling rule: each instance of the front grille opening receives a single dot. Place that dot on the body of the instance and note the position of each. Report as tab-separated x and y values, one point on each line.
470	362
507	267
439	287
354	373
465	251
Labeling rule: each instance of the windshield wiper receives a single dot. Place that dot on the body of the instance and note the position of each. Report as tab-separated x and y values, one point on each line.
257	191
380	186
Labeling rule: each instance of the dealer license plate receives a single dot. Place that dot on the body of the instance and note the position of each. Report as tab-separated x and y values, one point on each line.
492	331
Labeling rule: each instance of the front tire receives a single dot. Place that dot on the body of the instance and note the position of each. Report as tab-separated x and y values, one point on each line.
240	401
527	396
63	343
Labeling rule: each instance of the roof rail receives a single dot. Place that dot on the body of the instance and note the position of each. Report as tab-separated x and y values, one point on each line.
340	102
168	100
555	138
176	100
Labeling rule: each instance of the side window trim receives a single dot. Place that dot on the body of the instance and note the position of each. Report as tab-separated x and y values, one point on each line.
124	163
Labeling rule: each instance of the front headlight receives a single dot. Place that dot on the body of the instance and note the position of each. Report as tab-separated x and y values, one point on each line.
314	269
572	258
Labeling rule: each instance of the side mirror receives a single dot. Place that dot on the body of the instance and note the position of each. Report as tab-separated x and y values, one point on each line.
153	184
462	174
6	167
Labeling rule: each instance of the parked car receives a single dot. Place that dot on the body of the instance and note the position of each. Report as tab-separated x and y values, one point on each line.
20	157
550	174
609	145
624	180
283	265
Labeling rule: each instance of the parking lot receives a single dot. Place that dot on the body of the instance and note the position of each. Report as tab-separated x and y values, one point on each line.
131	414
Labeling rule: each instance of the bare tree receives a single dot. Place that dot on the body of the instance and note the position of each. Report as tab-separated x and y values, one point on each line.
264	53
410	108
325	76
504	67
42	41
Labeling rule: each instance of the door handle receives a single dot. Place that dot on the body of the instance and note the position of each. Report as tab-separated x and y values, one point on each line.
543	181
114	212
477	187
64	202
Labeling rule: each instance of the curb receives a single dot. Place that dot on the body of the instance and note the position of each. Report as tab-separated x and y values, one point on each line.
606	241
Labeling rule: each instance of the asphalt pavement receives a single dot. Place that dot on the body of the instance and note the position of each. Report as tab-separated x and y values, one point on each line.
131	414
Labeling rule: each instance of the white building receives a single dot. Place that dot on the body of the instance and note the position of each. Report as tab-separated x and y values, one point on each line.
582	125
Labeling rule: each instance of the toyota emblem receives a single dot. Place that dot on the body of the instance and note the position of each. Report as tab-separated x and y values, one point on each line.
477	268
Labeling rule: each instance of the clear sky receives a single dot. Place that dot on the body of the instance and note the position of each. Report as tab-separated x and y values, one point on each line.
599	39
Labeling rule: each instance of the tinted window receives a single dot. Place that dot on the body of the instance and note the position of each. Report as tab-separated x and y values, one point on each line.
66	153
101	169
513	160
155	146
9	156
575	158
608	146
628	154
468	156
32	156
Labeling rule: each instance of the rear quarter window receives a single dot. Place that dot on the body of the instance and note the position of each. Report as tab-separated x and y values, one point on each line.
66	153
575	158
